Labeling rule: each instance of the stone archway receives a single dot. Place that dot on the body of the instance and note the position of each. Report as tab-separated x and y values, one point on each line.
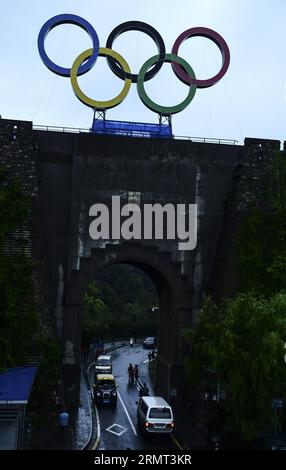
175	310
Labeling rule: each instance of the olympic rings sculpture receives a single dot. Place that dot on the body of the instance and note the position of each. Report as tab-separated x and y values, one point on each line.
86	60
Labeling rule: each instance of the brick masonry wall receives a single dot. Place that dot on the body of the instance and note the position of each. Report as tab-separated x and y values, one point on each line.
250	179
18	155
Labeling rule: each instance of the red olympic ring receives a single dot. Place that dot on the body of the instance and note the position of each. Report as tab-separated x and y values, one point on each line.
218	40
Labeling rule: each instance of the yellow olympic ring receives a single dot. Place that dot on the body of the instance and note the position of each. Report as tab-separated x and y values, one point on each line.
103	51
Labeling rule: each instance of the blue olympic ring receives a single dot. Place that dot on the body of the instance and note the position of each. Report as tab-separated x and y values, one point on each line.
70	19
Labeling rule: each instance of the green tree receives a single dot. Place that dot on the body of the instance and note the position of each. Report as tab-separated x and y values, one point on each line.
118	304
96	318
243	341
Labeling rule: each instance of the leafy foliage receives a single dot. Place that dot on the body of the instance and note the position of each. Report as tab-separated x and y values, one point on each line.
243	341
18	319
118	304
261	244
20	336
14	206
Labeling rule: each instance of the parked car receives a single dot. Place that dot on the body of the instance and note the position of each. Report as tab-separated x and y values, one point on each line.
149	343
105	389
103	365
155	415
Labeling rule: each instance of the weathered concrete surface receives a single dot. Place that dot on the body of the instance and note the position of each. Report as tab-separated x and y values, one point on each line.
75	171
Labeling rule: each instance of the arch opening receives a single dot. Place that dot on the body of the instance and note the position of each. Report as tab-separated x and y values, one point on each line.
172	300
121	302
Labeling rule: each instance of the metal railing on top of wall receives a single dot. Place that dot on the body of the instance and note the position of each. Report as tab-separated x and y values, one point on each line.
75	130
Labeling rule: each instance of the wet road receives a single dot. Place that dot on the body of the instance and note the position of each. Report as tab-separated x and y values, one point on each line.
119	424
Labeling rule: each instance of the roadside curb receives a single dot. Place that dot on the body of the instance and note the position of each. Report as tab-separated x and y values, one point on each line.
95	431
88	392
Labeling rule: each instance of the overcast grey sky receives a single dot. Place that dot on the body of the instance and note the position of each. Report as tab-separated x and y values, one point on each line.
250	100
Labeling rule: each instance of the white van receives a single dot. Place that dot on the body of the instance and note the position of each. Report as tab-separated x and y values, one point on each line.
103	365
155	415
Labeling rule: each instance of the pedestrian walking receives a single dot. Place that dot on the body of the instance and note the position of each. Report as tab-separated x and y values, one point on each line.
131	373
149	356
97	353
84	353
144	391
63	421
136	373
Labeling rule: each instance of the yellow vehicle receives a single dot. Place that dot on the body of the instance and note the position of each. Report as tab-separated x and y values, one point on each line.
105	389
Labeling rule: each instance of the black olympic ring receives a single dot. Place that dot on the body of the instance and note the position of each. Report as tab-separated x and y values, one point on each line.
144	28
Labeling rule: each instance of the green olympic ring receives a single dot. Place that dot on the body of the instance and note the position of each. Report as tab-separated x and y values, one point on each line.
166	110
